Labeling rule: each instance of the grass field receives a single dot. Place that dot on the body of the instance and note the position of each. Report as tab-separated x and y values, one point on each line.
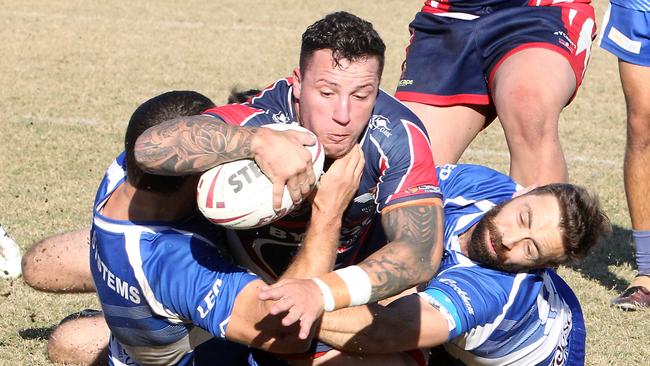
72	71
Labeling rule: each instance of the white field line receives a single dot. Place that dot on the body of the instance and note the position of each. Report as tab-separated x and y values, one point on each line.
74	121
569	158
232	26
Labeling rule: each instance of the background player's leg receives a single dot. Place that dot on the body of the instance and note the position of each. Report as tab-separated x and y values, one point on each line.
636	87
80	341
59	263
451	129
529	90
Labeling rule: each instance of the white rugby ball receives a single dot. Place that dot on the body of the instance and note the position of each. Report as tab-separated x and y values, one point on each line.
237	195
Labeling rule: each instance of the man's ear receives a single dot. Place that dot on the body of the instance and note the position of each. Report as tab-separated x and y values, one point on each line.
297	83
524	190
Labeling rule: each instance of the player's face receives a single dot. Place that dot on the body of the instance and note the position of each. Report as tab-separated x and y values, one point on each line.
336	101
522	234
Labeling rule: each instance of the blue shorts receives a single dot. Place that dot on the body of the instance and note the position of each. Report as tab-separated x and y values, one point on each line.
452	61
626	34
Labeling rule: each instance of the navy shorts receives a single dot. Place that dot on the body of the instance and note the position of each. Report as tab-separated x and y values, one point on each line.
452	61
626	34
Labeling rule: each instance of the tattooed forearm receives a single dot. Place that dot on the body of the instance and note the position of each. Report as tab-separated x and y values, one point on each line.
413	253
192	144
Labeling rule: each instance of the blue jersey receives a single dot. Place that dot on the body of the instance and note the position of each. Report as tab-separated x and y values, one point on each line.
164	287
496	317
399	169
641	5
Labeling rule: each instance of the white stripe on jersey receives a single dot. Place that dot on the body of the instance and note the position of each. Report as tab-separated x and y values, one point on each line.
480	334
382	156
132	236
132	244
114	174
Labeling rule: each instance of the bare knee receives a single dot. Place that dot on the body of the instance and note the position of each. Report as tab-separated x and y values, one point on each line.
638	133
34	268
530	124
59	263
82	341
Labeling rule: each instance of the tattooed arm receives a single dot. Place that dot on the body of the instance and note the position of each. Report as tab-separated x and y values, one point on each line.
411	257
190	145
413	253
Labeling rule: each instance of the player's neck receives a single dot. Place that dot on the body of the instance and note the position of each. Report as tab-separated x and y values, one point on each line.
130	203
463	240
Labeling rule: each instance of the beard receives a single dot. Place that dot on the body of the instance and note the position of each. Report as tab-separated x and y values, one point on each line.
477	248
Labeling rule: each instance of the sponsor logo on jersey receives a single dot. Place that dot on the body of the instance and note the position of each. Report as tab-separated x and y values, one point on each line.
280	117
379	122
423	189
209	299
115	283
366	197
405	82
463	295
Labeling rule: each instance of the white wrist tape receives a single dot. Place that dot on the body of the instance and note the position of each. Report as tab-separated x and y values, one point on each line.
358	283
328	297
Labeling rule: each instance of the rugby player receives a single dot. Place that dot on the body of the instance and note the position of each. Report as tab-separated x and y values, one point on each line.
165	285
496	299
334	93
523	61
626	34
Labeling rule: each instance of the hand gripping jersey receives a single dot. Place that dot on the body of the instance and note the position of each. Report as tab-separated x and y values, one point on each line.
165	288
496	317
399	169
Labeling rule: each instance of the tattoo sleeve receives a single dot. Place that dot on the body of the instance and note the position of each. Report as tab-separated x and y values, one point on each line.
191	144
412	254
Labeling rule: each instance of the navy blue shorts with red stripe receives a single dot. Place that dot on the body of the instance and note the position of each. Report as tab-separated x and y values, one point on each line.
451	61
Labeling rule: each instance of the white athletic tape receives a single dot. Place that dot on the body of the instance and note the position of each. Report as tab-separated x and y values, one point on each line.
328	297
358	283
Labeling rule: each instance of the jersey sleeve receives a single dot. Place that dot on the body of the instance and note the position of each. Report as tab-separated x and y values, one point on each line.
467	298
405	164
234	114
272	105
197	284
474	182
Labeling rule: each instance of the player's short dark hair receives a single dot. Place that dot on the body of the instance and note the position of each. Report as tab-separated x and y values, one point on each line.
241	96
154	111
348	36
582	221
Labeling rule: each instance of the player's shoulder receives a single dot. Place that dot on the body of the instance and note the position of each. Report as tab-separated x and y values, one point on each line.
469	172
393	128
394	111
272	104
471	183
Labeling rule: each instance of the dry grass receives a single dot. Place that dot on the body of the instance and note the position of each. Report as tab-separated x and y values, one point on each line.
73	71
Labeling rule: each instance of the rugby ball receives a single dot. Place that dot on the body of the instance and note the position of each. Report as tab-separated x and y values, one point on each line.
237	195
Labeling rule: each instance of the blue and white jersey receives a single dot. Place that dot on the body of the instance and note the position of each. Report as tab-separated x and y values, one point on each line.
399	169
496	317
641	5
164	287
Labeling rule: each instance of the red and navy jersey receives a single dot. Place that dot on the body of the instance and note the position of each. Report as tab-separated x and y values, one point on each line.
399	169
467	9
